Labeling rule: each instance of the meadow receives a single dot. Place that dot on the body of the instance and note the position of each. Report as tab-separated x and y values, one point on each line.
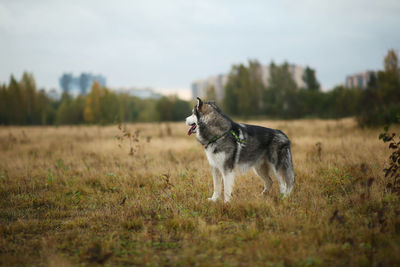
93	195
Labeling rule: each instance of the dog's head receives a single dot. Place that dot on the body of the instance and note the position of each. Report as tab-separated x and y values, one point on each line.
193	119
208	114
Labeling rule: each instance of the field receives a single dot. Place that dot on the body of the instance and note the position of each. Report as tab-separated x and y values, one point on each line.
87	195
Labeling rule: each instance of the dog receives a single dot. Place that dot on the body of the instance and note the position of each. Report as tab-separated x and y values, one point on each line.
232	147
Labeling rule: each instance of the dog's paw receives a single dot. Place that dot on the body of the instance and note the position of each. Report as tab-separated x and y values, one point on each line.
213	199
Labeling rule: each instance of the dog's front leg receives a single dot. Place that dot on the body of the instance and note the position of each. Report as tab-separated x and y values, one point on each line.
217	185
229	180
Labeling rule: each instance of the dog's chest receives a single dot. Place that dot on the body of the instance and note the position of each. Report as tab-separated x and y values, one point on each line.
216	160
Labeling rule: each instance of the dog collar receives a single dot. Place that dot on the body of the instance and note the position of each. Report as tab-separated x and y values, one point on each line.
215	138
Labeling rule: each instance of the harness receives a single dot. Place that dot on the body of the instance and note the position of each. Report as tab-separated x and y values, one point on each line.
231	131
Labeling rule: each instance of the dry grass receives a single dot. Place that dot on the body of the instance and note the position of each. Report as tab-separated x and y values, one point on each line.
71	195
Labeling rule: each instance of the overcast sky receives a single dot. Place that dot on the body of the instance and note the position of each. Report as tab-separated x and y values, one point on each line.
168	44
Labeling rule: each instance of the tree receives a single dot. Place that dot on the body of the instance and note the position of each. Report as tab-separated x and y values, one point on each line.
381	99
164	109
343	102
255	88
45	108
128	110
28	88
4	105
63	111
17	106
70	110
92	107
390	78
310	80
180	109
147	107
172	109
244	89
281	90
21	103
109	107
243	93
391	63
232	87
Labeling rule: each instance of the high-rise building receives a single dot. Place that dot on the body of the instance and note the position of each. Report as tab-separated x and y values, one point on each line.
199	87
66	82
85	81
80	85
359	80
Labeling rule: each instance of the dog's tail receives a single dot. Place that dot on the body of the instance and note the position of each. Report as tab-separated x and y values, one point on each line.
285	167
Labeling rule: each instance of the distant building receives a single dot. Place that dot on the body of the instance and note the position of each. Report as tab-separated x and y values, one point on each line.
142	93
199	87
53	94
80	85
359	80
67	82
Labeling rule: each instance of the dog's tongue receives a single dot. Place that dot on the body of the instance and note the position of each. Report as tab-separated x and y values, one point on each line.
191	129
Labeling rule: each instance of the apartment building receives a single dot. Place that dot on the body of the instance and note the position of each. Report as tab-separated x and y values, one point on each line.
359	80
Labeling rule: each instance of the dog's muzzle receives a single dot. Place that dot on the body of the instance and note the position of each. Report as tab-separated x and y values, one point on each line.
192	129
191	121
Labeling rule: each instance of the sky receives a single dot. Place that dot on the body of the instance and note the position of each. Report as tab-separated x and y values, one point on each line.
168	44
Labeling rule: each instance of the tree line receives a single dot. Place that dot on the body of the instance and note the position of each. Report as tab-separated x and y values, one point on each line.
247	96
22	104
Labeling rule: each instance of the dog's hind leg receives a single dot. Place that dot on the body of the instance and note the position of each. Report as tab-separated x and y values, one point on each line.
217	184
229	180
262	171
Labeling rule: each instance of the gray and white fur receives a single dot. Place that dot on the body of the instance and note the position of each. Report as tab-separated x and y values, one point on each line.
232	147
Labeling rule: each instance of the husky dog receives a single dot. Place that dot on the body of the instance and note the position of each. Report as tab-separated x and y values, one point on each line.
231	146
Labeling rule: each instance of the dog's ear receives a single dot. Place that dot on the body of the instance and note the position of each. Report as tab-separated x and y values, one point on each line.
199	104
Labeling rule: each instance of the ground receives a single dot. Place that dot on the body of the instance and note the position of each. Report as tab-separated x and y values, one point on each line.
91	195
